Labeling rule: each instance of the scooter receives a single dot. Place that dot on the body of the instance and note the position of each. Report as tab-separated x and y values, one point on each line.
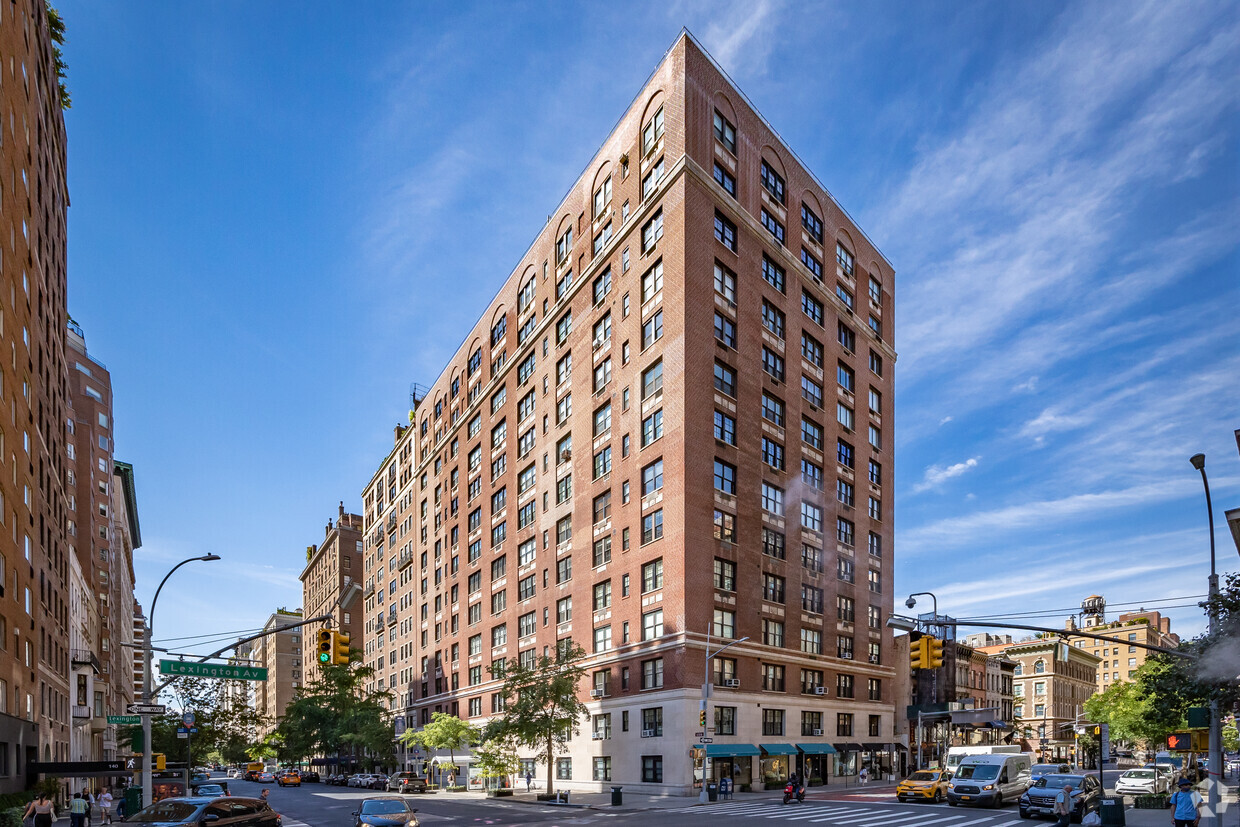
793	792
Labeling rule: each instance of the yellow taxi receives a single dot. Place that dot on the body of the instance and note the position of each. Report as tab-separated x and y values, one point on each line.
924	785
289	779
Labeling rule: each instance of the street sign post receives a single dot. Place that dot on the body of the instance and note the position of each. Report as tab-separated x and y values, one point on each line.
706	740
146	709
125	720
213	670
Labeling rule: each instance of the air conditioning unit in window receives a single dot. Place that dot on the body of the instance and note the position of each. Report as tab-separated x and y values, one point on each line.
732	683
566	455
818	733
873	658
648	733
596	693
599	736
846	655
820	690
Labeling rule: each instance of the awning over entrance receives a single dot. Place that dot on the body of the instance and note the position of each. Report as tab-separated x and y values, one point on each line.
816	749
730	750
846	747
778	749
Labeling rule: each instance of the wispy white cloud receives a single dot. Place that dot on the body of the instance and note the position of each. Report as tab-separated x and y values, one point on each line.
936	475
738	35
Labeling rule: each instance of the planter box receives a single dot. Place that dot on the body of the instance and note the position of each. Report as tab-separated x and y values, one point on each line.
500	793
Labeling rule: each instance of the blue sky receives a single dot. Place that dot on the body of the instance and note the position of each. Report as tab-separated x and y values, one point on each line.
283	214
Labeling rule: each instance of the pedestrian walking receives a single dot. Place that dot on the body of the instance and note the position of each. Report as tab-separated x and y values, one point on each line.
42	810
1063	806
1186	805
77	810
864	775
89	795
266	792
529	780
105	806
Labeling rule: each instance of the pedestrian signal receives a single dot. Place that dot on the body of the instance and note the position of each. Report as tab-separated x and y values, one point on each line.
1180	741
340	648
325	646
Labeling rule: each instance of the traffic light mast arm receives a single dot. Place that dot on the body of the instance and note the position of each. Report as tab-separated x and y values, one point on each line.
319	619
908	622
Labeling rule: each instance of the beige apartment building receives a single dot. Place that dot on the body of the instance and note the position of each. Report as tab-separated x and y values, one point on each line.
1051	682
674	421
36	701
281	654
1120	658
331	568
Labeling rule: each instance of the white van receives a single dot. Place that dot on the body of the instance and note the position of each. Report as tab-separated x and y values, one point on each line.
957	754
990	780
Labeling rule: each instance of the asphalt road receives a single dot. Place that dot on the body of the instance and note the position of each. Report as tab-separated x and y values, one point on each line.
320	805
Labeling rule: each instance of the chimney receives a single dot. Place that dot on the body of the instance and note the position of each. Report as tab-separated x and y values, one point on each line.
342	509
398	432
1164	624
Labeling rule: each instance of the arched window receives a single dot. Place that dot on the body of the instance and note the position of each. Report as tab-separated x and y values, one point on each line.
1039	667
1019	670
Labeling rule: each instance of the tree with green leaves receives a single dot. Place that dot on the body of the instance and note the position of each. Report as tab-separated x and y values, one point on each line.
443	732
541	706
335	714
496	757
56	26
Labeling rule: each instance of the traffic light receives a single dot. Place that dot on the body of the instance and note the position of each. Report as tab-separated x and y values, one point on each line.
325	646
919	653
1182	741
340	647
702	718
160	761
934	652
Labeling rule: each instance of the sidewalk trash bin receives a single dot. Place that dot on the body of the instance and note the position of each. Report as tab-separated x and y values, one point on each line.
712	792
617	798
1111	812
133	800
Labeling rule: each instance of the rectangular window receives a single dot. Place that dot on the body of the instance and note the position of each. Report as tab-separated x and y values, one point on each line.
652	722
811	434
773	226
811	391
725	179
725	231
601	285
652	231
652	670
812	223
725	575
845	609
773	544
811	643
602	507
811	599
652	281
844	570
652	380
650	181
811	350
772	588
772	499
811	558
725	720
773	409
602	596
773	364
652	132
773	453
725	132
772	273
602	639
772	677
773	319
602	463
773	182
772	722
652	477
812	264
652	526
725	526
725	428
725	624
844	454
602	551
652	767
652	329
725	283
725	379
847	338
652	427
844	260
844	723
844	686
811	474
812	307
844	531
652	627
725	331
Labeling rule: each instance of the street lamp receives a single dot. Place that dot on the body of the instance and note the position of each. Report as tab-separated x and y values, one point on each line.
911	602
1216	733
706	692
147	786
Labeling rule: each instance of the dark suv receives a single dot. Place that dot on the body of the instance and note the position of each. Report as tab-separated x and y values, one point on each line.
1040	798
215	812
406	782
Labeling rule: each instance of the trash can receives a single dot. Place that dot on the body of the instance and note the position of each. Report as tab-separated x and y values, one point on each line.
133	799
1111	812
617	798
712	792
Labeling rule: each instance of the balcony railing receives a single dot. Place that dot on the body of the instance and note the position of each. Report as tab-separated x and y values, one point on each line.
85	657
81	712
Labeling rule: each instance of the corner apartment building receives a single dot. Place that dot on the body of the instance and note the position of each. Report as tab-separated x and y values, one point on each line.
1051	683
103	531
280	653
35	695
673	421
331	568
1120	658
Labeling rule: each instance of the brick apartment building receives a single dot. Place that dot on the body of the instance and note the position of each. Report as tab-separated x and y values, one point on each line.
674	420
331	567
280	654
1120	659
35	696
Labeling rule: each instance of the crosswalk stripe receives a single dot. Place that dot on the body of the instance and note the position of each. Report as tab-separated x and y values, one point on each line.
891	820
977	821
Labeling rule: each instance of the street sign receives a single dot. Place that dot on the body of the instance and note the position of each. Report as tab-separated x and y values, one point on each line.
699	735
1104	743
213	670
706	740
181	733
146	709
188	719
124	719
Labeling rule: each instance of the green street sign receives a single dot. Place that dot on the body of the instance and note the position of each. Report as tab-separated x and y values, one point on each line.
213	670
125	719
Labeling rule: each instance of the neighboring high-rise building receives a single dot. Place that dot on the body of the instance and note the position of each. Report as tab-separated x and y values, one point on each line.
139	641
1051	683
280	653
103	530
1120	659
331	569
674	420
35	697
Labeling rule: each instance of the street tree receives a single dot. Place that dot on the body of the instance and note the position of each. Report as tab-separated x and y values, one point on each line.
336	714
541	706
496	757
443	732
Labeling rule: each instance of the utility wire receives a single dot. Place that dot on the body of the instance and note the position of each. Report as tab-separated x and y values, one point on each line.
213	635
1164	603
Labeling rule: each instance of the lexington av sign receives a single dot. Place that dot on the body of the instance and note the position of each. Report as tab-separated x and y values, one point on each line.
213	670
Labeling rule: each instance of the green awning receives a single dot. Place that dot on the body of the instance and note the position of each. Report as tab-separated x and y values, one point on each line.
730	750
778	749
816	749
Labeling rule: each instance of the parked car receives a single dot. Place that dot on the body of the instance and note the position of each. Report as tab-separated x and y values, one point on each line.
408	782
338	780
1141	782
289	779
1040	798
310	777
354	780
385	811
250	812
923	785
